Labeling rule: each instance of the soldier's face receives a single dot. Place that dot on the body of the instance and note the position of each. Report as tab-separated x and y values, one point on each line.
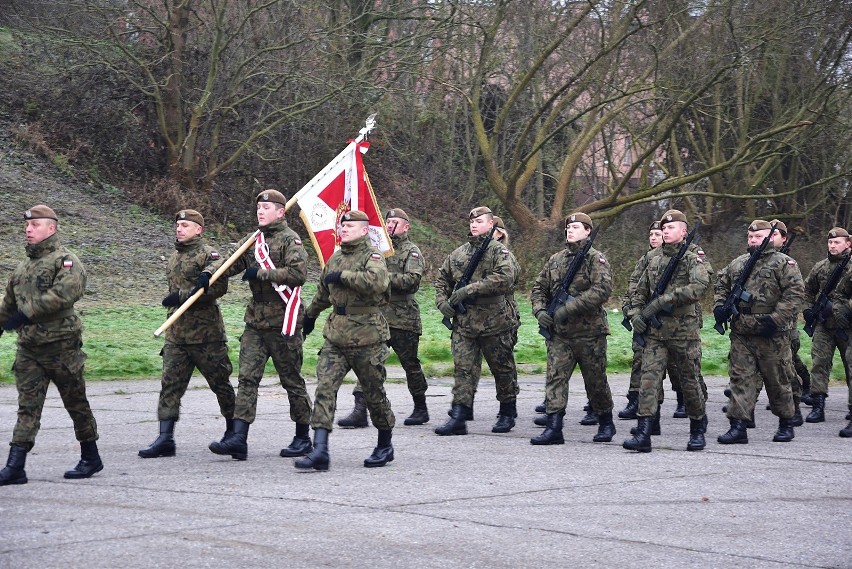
674	232
267	212
396	225
655	238
352	230
837	245
185	230
481	225
778	239
755	238
576	231
39	229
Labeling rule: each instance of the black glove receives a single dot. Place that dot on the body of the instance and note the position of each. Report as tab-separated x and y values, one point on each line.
202	282
766	326
172	300
639	324
447	310
332	277
719	313
826	311
841	317
808	313
308	326
16	320
250	274
544	319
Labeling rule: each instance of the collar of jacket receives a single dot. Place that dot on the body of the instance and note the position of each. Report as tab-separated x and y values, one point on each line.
399	239
669	249
355	245
575	247
190	243
44	247
274	227
835	258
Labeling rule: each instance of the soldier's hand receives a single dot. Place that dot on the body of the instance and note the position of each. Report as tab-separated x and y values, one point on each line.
639	325
308	326
808	313
719	313
332	277
250	274
16	320
766	326
172	300
447	310
562	313
826	312
459	296
202	282
841	316
544	319
653	307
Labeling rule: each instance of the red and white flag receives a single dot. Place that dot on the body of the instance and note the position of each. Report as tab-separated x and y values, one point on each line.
341	186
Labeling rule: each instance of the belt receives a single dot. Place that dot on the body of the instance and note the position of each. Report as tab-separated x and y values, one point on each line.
344	310
488	300
756	310
53	316
401	297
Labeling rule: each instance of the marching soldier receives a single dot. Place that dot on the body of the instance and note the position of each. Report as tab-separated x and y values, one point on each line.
275	268
760	334
39	305
578	331
485	328
405	269
197	339
842	298
355	282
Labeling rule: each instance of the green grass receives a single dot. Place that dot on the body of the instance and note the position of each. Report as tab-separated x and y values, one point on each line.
121	345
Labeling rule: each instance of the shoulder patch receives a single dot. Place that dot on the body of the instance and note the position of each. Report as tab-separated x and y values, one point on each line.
415	255
504	252
791	262
699	259
67	263
601	260
375	256
214	255
297	241
700	252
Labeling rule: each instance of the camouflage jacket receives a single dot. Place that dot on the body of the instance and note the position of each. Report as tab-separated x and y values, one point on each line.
817	278
591	288
633	280
405	269
513	304
488	311
356	320
684	291
776	284
45	287
202	322
266	309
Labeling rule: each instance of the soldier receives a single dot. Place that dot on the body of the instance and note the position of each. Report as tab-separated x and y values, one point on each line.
39	305
831	332
842	299
760	335
578	330
405	269
677	340
197	339
275	268
485	328
355	282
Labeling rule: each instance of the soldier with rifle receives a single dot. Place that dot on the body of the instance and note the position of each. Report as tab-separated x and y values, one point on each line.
471	292
759	293
567	300
663	316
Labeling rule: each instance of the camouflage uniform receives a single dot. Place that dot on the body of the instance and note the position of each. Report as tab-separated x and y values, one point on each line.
841	298
45	287
197	338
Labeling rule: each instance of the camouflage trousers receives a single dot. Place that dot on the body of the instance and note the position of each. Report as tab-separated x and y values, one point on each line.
498	351
822	353
35	367
682	356
563	355
793	371
179	361
753	359
256	347
406	344
368	363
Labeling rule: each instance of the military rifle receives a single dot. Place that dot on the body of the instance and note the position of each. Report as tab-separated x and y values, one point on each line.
665	278
738	293
468	274
785	248
561	296
823	303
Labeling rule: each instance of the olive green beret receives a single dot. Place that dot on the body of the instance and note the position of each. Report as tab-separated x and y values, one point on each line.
477	211
355	215
759	224
837	232
273	196
579	217
398	213
40	211
655	226
779	225
672	215
190	215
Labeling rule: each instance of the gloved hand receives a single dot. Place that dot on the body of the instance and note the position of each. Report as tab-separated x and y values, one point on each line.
826	312
766	326
653	307
459	296
332	277
308	326
172	300
719	313
544	319
202	282
447	310
639	325
562	313
808	313
841	316
250	274
16	320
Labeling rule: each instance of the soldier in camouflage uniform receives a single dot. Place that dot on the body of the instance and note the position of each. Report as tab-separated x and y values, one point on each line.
272	325
677	340
760	334
841	300
578	330
833	331
355	282
405	269
484	329
39	305
196	339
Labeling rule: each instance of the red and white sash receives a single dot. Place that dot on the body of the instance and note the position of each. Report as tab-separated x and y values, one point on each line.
292	297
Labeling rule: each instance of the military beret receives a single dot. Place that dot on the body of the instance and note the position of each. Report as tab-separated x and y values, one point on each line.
655	226
759	224
672	215
837	232
498	221
477	211
40	211
273	196
578	217
398	213
190	215
355	215
779	225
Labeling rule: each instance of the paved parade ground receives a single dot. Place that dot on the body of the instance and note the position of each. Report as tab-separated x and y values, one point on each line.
481	500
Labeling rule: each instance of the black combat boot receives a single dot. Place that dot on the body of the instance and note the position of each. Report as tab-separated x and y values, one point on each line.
552	435
318	458
680	410
796	420
817	414
14	472
632	408
164	445
641	440
849	414
697	428
655	425
90	462
229	429
456	425
737	434
505	417
846	433
420	414
590	418
540	420
468	413
357	419
806	391
606	428
541	408
383	453
785	433
301	444
234	444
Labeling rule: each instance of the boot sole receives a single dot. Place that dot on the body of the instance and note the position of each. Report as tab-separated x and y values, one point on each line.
739	442
452	433
290	454
167	453
319	467
378	464
76	475
14	482
601	439
409	422
547	443
641	449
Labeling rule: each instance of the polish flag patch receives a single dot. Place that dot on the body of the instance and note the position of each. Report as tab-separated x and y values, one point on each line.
602	260
214	255
297	241
791	262
67	263
375	256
